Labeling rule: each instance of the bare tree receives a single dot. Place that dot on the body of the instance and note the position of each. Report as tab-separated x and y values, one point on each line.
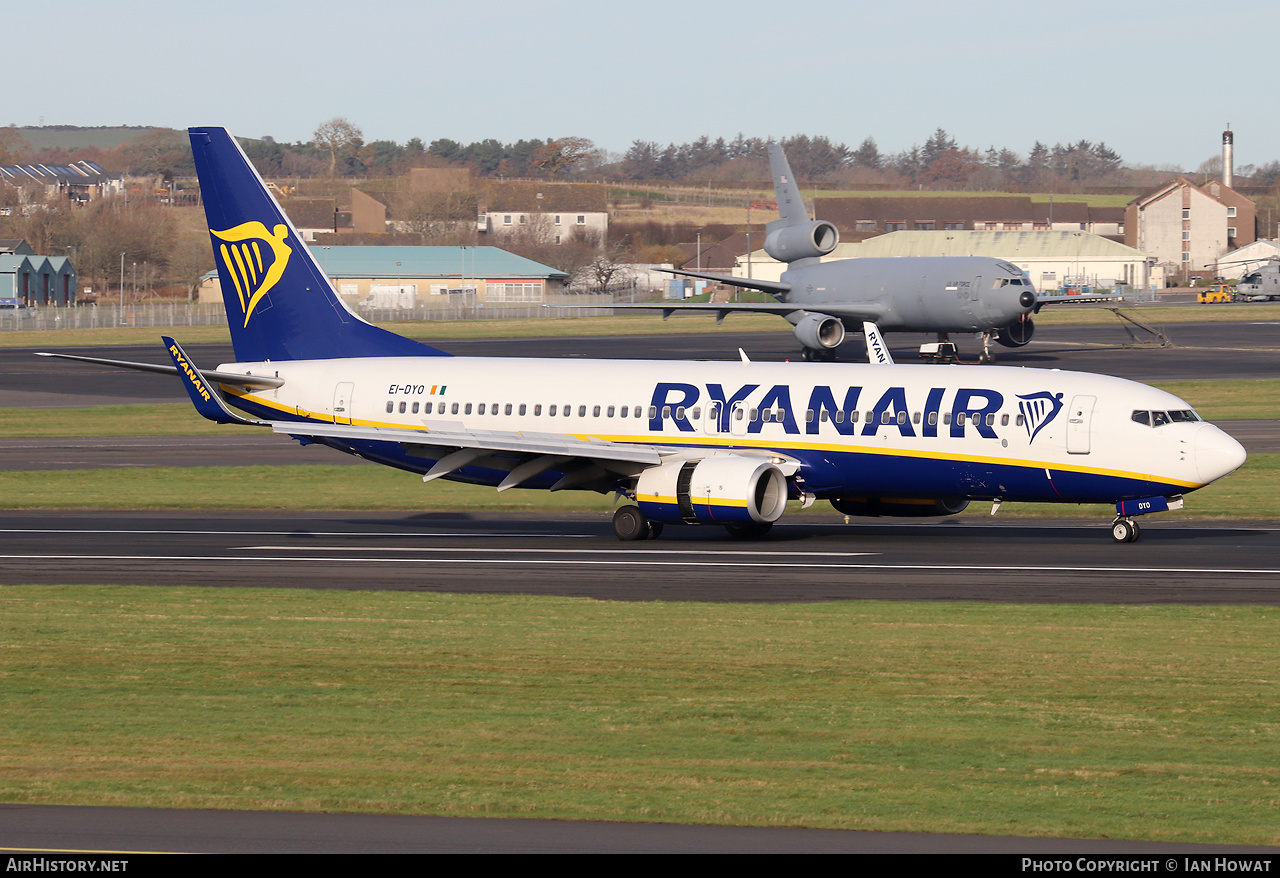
559	156
436	214
338	137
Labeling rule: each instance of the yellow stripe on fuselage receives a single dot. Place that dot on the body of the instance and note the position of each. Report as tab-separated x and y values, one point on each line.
736	442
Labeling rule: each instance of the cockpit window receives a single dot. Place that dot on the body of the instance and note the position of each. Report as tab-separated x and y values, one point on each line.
1159	419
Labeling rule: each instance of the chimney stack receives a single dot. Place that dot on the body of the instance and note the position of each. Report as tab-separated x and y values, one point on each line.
1228	171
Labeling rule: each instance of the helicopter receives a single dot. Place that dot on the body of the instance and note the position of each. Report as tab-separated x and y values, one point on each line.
1261	284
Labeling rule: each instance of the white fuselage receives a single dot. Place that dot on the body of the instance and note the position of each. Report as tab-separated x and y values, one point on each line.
904	430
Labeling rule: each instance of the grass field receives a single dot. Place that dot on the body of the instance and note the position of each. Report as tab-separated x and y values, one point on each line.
1089	721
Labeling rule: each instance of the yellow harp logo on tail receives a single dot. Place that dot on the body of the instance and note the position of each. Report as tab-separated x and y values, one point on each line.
252	270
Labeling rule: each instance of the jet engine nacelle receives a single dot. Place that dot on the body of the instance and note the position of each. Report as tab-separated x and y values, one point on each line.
721	489
820	332
899	508
802	242
1015	335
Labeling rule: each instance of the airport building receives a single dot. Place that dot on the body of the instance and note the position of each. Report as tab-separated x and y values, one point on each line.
1187	228
401	278
33	279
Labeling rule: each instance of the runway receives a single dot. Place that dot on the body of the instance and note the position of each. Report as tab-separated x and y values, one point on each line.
120	831
1026	562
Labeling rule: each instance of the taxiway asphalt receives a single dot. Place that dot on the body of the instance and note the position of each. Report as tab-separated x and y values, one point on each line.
950	560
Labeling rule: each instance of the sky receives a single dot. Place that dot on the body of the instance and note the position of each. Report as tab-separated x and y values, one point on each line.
1156	80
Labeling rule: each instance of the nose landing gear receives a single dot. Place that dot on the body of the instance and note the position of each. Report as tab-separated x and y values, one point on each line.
1125	530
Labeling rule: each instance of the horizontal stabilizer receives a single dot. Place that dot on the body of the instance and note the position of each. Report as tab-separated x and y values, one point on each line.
233	378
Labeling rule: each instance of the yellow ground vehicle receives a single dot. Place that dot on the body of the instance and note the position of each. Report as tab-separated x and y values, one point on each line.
1218	293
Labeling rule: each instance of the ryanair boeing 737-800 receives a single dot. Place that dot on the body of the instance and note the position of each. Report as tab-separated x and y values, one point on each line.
722	443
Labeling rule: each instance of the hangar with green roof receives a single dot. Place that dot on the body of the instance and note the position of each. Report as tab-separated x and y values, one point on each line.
409	277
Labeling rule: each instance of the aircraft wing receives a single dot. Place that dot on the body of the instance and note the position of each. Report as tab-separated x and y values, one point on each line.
515	443
1064	299
773	287
856	312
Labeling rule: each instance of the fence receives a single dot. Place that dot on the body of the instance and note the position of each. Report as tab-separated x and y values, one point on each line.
156	314
169	314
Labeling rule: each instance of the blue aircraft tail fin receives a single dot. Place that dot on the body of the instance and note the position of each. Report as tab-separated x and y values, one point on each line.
280	305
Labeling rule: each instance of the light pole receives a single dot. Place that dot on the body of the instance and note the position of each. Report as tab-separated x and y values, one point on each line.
122	289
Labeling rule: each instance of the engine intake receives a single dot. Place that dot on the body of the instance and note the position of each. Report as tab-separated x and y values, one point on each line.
721	489
802	242
899	507
1018	334
820	332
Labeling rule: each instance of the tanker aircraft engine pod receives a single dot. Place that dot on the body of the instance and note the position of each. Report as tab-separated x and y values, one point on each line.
690	443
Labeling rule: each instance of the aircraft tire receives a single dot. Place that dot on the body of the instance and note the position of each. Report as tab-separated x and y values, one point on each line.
630	524
654	530
1124	530
752	530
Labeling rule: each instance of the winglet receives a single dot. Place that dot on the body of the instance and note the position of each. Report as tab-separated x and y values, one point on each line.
877	351
207	401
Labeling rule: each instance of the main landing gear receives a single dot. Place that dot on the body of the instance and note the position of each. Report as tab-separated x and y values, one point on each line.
630	524
818	355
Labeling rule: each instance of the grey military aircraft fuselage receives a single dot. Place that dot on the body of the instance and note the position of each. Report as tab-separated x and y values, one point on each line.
922	294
